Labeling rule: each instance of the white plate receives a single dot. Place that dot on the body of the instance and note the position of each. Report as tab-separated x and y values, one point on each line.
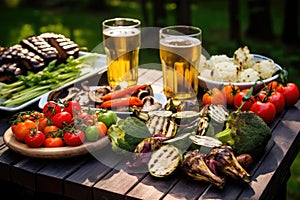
207	83
158	96
98	67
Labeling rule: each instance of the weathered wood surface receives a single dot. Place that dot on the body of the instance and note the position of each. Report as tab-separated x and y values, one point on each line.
103	175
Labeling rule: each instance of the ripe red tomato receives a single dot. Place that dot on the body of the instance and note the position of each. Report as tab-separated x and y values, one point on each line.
21	129
51	108
53	142
290	92
213	96
102	129
238	100
266	110
275	97
35	139
229	92
51	131
84	117
62	119
74	138
42	123
72	107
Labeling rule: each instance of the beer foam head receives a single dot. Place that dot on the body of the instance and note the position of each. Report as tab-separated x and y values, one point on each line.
180	41
121	32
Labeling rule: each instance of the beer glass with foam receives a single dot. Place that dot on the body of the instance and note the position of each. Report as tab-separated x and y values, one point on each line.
121	40
180	50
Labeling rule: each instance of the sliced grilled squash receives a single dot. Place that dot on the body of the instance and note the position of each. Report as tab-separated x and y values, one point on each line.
164	161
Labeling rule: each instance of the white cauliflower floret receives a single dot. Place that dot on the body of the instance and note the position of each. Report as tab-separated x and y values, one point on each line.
225	71
248	75
206	73
215	59
203	63
243	58
265	68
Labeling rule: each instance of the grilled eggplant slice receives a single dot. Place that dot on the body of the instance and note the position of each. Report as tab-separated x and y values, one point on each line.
160	125
164	161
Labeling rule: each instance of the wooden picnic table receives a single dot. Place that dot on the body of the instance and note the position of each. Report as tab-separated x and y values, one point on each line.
87	177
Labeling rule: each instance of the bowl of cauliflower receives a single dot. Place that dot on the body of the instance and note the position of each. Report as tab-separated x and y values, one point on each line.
244	70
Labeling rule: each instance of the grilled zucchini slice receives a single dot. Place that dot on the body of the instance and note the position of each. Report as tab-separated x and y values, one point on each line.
164	161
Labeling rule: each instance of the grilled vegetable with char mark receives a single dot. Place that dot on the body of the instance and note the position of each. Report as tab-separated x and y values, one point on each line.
224	160
164	161
195	167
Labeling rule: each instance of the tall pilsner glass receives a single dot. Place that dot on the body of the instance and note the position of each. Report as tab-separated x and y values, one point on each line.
122	39
180	50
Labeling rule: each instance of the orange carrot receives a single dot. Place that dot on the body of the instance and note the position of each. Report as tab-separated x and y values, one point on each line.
123	92
121	102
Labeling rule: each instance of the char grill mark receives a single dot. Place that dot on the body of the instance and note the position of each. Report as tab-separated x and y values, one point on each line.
26	59
64	45
41	47
9	71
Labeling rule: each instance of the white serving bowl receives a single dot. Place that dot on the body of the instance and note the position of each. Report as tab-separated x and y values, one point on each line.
208	84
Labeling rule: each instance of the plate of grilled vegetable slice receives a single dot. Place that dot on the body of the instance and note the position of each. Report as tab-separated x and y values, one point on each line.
41	63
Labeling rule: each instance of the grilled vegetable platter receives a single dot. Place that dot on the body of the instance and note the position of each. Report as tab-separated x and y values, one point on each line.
39	64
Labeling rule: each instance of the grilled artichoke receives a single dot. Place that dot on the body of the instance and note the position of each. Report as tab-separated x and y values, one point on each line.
194	166
226	162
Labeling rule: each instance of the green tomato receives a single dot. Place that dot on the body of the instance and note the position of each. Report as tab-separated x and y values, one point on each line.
91	133
108	118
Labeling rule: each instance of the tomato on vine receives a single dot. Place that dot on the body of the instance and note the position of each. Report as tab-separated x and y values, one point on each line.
22	128
72	107
265	110
213	96
53	142
51	108
274	97
35	138
229	92
62	119
244	99
74	137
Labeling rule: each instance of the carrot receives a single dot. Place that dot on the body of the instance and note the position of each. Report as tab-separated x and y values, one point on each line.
123	92
120	102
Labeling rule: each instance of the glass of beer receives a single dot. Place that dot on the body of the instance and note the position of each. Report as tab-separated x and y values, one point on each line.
121	41
180	50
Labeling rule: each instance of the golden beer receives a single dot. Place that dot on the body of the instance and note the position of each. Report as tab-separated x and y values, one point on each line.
180	56
122	45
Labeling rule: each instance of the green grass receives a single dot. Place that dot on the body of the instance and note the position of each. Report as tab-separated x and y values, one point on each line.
84	26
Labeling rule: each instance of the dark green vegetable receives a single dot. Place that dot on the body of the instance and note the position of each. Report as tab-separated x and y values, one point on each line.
245	132
127	134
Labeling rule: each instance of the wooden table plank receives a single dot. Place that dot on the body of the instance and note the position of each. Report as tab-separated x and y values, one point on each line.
7	159
152	188
50	179
23	172
79	184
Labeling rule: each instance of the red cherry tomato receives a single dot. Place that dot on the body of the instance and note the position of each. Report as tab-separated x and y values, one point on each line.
74	138
53	142
35	139
238	100
72	107
22	129
290	92
229	92
42	123
51	108
275	97
62	119
84	117
213	96
265	110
